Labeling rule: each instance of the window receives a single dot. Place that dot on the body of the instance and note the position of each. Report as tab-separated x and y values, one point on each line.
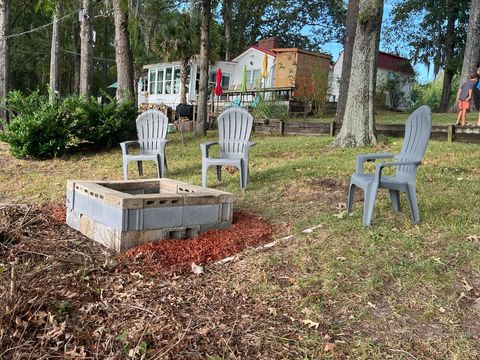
176	80
253	78
168	81
152	82
160	74
225	80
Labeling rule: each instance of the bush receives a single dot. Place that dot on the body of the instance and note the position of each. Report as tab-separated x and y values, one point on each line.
104	125
42	130
38	129
270	110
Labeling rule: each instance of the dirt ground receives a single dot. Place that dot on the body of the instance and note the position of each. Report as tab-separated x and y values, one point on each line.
65	296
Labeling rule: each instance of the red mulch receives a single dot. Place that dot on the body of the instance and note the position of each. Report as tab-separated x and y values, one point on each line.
57	212
247	230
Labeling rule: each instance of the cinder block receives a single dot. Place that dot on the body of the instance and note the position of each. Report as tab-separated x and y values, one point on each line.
123	214
73	219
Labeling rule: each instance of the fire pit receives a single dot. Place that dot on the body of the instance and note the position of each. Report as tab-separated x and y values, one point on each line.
124	214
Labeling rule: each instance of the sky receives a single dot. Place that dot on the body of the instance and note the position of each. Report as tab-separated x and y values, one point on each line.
423	76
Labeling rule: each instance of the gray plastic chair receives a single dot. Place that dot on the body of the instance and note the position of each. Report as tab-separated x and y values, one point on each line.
234	129
152	133
417	134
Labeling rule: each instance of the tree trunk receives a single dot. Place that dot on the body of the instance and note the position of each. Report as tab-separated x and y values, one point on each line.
123	54
447	71
54	54
191	8
183	81
4	54
352	13
472	46
358	127
227	23
76	49
86	52
202	110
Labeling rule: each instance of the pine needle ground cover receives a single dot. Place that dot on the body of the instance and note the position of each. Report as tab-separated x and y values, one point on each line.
337	291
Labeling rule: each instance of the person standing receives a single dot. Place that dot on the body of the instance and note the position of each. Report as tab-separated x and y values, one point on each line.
464	96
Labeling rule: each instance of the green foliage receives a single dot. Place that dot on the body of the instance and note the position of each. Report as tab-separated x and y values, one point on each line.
42	130
430	94
270	110
104	125
393	86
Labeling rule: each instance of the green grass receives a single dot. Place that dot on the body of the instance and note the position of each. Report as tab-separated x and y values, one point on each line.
387	117
386	291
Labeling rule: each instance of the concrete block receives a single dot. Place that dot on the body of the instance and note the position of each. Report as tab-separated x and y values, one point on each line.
123	214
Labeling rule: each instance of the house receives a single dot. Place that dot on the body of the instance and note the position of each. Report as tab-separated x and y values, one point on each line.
395	79
289	75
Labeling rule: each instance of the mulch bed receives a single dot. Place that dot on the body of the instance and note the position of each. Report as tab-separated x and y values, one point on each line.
247	230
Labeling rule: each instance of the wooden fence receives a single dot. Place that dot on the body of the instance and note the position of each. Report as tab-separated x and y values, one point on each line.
448	133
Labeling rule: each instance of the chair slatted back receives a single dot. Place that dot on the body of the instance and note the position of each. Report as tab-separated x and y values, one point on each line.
417	134
234	130
151	128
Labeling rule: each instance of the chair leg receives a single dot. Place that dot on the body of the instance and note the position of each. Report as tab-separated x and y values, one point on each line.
165	171
219	172
395	198
369	204
140	168
412	202
204	175
125	170
351	197
243	181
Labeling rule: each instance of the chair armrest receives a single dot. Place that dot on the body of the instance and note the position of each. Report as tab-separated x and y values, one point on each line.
380	166
205	146
370	157
247	147
126	144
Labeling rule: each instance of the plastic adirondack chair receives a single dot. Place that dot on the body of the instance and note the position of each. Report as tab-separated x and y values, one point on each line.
234	129
417	134
152	128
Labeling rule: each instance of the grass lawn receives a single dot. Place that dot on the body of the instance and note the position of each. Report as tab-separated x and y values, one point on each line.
386	117
390	291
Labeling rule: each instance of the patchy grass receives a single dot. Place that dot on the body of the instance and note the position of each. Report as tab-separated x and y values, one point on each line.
393	290
394	117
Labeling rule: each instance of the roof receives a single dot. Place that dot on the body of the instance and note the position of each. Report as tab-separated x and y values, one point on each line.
268	52
279	50
391	62
394	63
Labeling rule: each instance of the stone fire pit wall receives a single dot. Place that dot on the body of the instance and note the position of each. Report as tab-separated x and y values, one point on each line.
124	214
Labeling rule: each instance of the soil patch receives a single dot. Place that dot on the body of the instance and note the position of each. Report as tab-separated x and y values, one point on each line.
177	255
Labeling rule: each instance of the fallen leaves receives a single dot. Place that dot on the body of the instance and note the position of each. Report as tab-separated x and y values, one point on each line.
311	324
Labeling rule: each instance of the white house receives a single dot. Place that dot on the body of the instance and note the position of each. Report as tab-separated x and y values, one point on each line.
391	67
162	83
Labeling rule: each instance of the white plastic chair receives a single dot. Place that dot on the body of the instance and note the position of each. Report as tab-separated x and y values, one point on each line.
234	129
152	126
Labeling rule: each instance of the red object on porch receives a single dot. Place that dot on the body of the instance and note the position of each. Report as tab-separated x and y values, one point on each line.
218	84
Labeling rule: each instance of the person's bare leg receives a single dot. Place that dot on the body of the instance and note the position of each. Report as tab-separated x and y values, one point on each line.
459	115
464	117
478	120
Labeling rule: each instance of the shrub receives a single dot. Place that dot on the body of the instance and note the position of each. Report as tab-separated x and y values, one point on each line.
38	129
270	110
42	130
104	125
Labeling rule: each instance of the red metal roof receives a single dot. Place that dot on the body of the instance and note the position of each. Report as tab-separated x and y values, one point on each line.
394	63
268	52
